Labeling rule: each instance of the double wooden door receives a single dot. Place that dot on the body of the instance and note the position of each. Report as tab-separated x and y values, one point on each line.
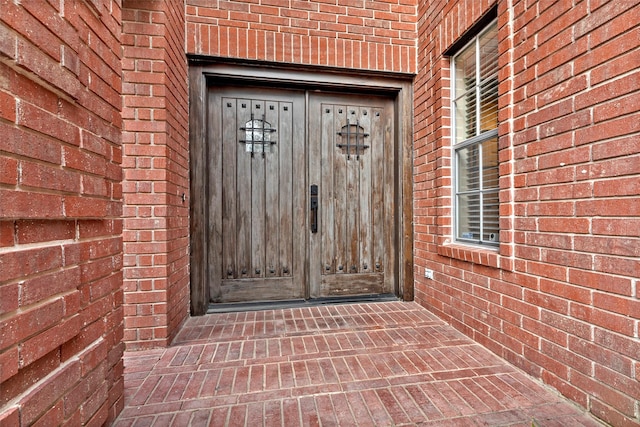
301	195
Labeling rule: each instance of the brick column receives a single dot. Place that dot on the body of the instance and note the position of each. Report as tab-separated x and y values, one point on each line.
155	163
61	316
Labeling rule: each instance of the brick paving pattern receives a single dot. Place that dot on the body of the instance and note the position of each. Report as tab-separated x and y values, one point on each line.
374	364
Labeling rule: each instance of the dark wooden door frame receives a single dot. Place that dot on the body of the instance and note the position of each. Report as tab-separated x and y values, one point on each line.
207	72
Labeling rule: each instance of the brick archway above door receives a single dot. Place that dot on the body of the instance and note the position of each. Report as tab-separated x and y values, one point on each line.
235	254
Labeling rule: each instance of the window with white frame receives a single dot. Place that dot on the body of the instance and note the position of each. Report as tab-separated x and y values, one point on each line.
475	139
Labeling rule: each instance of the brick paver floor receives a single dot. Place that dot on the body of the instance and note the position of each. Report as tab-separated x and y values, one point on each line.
373	364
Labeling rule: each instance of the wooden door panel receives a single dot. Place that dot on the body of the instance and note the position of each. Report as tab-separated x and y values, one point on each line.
254	219
355	172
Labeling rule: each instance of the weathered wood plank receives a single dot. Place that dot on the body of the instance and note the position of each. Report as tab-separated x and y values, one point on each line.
272	191
352	199
260	289
390	259
352	284
316	166
404	162
287	234
229	213
243	194
327	219
377	189
340	200
198	196
214	211
366	175
298	268
258	190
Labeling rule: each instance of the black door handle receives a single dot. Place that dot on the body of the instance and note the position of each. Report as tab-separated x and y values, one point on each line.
314	208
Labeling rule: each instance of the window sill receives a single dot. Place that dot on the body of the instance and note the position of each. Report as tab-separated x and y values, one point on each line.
489	257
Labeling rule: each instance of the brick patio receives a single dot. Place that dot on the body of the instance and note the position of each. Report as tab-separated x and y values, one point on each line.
382	364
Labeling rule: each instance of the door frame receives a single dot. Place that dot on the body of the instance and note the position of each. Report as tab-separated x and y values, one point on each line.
208	72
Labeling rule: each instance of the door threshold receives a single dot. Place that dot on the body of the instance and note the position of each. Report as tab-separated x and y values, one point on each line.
314	302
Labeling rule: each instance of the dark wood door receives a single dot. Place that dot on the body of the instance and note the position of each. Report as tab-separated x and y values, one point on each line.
300	195
351	160
256	195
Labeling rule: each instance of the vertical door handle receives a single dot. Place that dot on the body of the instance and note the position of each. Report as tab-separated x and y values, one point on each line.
314	208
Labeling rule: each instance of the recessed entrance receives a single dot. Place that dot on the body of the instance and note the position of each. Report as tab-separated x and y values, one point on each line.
295	193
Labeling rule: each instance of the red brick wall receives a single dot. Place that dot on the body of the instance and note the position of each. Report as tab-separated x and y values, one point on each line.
61	313
155	162
359	34
561	298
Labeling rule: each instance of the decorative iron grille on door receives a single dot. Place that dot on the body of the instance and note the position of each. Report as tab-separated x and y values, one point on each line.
353	136
257	135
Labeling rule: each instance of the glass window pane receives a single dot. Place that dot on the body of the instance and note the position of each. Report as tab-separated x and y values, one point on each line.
465	117
489	105
465	71
490	164
490	219
488	46
468	178
465	93
469	217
